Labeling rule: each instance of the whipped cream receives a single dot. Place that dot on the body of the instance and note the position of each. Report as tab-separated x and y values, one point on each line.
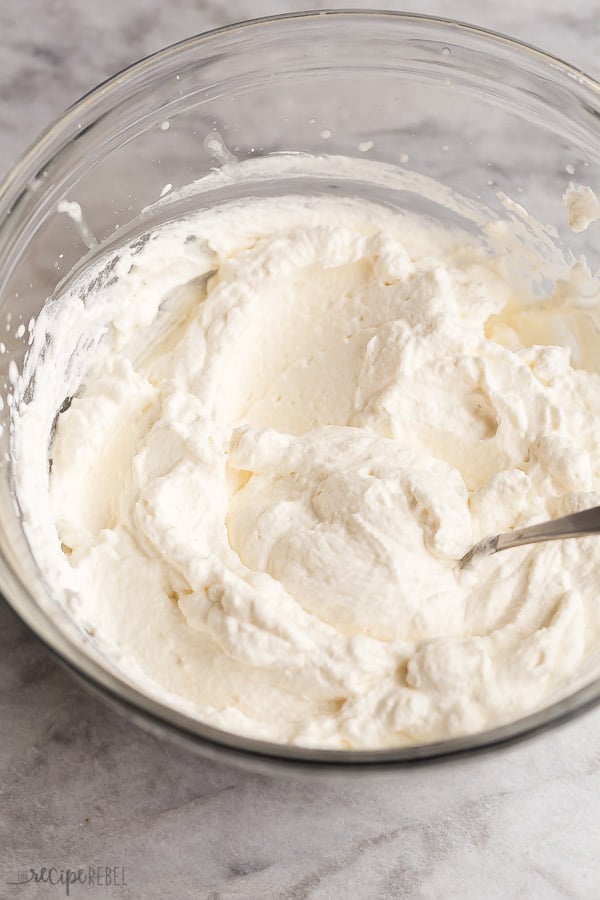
583	207
291	417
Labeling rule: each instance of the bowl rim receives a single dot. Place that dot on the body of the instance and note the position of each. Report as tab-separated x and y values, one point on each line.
143	708
128	73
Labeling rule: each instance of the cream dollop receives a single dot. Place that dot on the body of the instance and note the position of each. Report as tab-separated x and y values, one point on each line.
298	415
583	207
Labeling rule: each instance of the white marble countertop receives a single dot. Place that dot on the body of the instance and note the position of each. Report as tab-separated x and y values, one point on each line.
81	786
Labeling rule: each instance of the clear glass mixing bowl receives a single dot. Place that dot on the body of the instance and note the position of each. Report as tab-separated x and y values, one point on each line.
474	110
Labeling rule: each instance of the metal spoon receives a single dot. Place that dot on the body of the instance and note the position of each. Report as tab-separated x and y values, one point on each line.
577	525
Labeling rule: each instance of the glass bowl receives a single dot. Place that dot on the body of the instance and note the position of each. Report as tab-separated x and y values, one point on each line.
474	110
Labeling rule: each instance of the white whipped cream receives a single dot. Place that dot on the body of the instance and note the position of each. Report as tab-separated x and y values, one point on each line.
259	494
583	207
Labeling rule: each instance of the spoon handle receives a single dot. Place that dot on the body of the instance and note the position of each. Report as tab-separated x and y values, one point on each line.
576	525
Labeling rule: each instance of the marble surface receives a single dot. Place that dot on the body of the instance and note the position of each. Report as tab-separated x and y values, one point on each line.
81	786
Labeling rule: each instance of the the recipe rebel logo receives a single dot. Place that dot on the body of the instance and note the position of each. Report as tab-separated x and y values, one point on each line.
80	876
